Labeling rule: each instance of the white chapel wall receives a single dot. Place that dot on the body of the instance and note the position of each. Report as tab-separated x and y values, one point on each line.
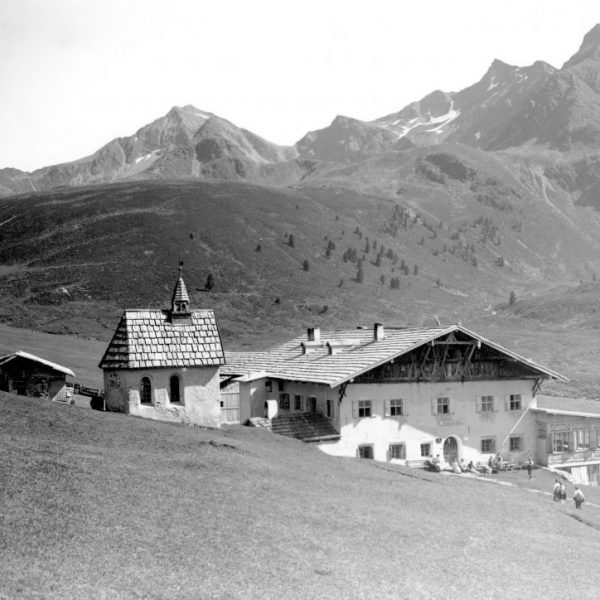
199	394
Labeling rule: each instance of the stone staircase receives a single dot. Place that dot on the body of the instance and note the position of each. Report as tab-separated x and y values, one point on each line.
308	427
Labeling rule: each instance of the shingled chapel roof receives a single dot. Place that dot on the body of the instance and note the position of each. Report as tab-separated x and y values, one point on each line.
155	338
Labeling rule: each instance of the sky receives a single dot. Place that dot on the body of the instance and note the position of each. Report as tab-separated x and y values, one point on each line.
75	74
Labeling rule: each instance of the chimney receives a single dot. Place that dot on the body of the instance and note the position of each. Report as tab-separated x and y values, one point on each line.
313	334
378	333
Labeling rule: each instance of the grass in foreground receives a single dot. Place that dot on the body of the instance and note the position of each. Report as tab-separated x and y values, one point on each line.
100	505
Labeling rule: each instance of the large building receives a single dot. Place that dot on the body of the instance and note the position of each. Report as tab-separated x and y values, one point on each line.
400	394
164	363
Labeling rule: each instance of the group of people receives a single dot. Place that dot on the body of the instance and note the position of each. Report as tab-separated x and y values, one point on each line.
494	465
434	463
559	494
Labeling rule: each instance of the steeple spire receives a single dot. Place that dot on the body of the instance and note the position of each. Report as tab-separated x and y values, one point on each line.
180	302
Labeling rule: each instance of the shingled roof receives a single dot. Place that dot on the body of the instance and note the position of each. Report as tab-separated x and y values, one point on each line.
288	360
150	338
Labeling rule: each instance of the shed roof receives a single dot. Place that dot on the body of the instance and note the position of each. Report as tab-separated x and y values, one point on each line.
558	405
287	360
150	339
19	353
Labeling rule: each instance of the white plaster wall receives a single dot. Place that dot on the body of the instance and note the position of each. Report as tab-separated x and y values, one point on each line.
199	394
254	394
420	425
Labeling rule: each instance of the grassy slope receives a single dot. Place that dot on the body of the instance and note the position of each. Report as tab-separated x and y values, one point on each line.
73	259
111	506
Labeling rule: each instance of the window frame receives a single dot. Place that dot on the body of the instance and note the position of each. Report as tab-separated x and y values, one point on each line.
515	402
360	451
425	449
143	392
177	377
519	446
365	407
492	443
284	401
392	447
561	442
298	402
443	402
393	406
486	404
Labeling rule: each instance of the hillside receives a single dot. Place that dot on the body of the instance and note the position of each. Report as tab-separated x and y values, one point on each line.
72	260
106	505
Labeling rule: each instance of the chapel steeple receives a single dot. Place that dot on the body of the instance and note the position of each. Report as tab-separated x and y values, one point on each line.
180	303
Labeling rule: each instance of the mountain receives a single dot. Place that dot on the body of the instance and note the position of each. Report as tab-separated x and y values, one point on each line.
348	140
444	207
185	143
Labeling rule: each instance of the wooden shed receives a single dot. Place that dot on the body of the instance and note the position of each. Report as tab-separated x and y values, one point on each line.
29	375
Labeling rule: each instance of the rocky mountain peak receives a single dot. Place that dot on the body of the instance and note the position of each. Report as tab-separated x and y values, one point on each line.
589	49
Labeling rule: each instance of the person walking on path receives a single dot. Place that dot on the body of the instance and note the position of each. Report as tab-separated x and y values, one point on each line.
530	468
578	498
556	491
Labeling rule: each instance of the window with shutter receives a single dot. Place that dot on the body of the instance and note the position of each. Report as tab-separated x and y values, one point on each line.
364	408
395	407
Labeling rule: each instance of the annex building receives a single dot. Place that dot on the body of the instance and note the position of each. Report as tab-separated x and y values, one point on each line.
29	375
164	363
400	394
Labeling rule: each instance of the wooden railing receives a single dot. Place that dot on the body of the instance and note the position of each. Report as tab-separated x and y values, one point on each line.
86	391
577	456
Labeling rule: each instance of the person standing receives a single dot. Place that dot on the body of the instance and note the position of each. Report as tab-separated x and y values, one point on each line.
556	491
530	468
563	493
578	498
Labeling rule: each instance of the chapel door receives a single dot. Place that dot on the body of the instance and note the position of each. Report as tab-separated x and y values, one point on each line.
450	450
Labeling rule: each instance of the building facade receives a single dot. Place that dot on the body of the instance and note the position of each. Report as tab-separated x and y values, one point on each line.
164	364
29	375
400	394
568	437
